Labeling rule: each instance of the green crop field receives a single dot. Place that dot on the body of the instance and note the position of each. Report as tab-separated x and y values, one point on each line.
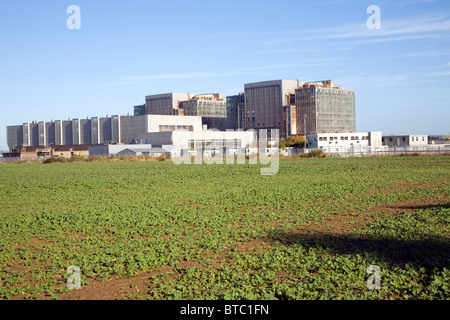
156	230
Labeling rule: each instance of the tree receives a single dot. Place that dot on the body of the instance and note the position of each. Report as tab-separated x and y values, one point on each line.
294	141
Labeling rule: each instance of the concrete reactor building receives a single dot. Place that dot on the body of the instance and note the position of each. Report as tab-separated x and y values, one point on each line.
292	107
324	108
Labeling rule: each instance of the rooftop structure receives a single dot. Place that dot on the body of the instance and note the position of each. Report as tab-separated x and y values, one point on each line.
165	104
209	105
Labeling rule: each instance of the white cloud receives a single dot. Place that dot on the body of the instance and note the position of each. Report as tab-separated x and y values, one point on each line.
427	53
404	29
256	70
439	74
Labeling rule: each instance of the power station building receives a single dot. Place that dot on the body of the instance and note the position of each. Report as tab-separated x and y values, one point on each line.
236	111
211	107
324	108
291	106
185	132
270	105
165	104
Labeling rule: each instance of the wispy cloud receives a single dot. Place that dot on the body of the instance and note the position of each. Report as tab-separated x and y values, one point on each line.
439	74
255	70
391	30
427	53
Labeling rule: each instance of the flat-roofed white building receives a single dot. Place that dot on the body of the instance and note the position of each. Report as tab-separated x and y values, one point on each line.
205	139
335	142
405	140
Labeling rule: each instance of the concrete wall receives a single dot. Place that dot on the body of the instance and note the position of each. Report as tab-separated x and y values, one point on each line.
50	130
104	125
375	138
59	133
133	127
154	121
95	133
67	132
26	135
112	150
85	131
34	134
14	136
244	137
160	138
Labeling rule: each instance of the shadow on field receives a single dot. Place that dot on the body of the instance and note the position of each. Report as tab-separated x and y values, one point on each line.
403	239
429	251
421	207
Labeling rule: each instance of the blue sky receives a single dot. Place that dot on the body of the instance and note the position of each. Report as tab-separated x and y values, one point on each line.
126	50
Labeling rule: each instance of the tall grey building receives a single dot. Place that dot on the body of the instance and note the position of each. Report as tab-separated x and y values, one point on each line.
140	110
166	103
264	102
235	111
211	107
323	108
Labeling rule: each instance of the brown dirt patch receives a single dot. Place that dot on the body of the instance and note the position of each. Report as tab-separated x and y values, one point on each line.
343	223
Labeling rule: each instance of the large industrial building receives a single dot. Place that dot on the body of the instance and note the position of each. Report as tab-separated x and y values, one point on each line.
289	105
165	104
211	107
181	118
236	111
323	108
185	132
270	105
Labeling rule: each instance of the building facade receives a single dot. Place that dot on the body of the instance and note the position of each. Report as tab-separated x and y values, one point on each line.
344	140
322	108
140	110
264	103
211	107
165	104
236	111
